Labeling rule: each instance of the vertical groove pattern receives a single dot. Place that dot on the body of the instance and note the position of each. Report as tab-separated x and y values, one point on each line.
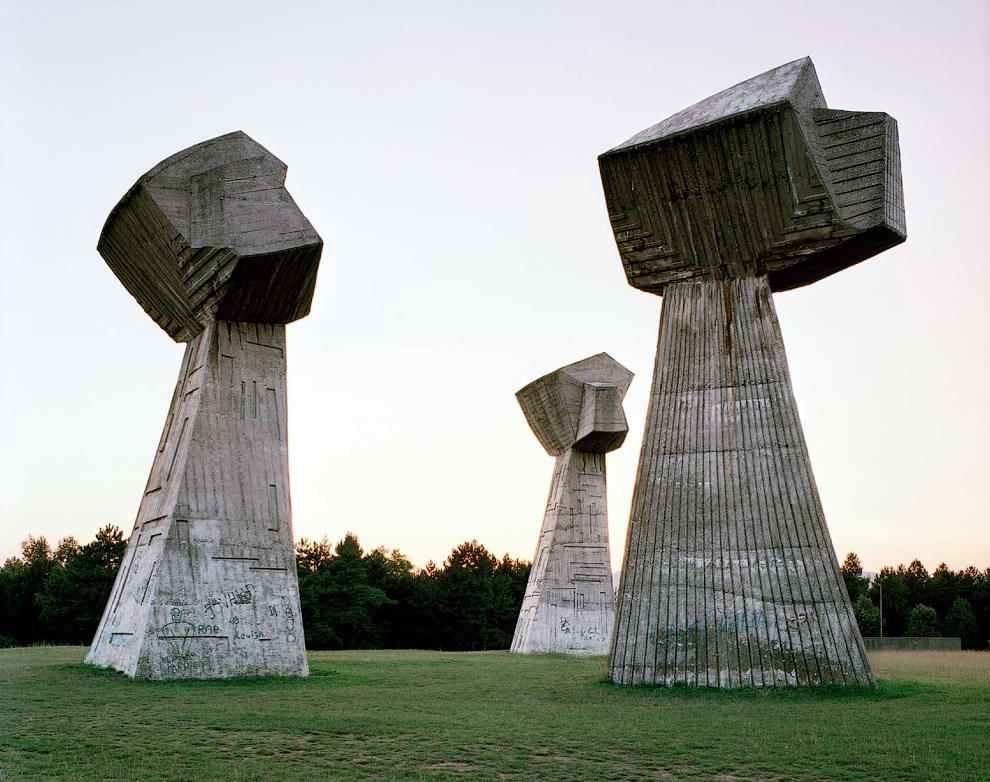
208	586
729	576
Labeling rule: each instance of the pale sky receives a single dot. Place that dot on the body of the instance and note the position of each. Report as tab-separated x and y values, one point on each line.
447	154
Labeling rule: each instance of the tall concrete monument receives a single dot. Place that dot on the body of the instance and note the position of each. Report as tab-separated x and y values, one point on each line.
214	249
576	414
730	579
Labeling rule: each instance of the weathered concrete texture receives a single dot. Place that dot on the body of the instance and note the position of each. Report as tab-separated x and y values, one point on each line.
912	644
576	413
211	233
564	408
207	587
730	579
761	178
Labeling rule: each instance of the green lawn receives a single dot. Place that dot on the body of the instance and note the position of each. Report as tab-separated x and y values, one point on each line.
440	716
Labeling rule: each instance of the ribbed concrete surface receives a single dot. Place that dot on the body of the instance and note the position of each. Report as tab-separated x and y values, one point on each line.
730	579
208	587
762	178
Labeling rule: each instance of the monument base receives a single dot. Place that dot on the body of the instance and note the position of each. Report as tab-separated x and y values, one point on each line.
568	607
207	587
730	578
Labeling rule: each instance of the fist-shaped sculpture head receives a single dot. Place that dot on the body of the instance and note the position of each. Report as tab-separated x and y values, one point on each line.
212	234
579	406
761	178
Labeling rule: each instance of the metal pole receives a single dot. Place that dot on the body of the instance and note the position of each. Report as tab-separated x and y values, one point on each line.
881	609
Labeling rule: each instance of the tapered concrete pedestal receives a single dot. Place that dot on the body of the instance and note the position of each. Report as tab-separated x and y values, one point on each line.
730	579
207	587
569	602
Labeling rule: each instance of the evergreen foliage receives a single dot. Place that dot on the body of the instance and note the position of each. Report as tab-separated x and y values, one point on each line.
960	621
352	599
852	574
78	586
867	615
958	600
922	622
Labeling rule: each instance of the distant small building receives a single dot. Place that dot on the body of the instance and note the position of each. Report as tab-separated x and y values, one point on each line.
912	644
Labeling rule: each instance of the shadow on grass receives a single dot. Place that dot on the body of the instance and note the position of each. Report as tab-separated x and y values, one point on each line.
325	670
886	690
87	671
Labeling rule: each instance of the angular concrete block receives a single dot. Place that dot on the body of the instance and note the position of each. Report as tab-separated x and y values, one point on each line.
762	178
569	603
211	233
554	404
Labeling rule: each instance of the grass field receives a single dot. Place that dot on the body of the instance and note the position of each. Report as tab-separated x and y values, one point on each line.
437	716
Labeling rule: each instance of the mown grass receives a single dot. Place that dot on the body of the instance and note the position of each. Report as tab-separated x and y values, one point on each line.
436	716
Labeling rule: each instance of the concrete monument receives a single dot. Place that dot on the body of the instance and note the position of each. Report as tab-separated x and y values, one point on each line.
214	249
576	414
730	579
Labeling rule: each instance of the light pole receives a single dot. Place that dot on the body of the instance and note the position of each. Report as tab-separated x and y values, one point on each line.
881	607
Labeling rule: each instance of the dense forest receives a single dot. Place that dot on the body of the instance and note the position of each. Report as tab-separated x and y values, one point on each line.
916	603
352	599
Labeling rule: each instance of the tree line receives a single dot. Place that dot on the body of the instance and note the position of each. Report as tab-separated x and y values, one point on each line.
57	595
378	600
951	603
352	599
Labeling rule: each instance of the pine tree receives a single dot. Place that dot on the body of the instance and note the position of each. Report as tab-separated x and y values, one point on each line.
852	574
922	622
867	616
960	622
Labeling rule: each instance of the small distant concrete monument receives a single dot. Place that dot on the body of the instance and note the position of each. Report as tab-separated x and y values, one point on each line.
576	414
213	247
730	579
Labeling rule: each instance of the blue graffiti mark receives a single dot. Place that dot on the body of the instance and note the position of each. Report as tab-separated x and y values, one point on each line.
697	631
733	624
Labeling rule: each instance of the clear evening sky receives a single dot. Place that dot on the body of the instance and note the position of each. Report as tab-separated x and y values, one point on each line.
446	152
